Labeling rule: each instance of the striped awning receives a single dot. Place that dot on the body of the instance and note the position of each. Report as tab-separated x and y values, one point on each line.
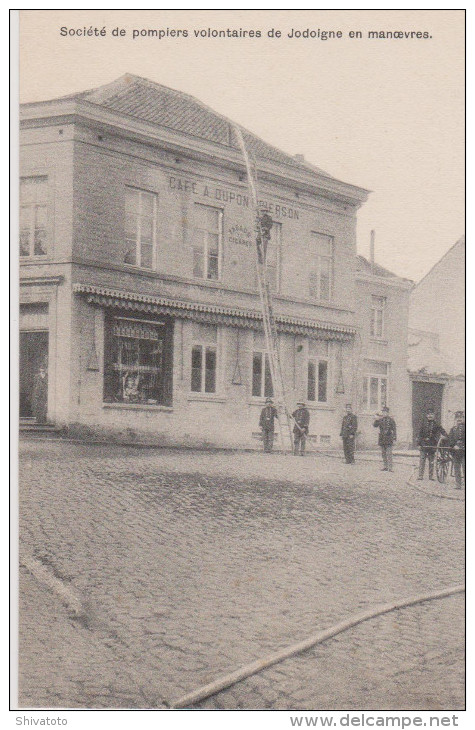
210	313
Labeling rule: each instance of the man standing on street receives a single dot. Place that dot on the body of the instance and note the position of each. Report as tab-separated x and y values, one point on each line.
266	423
457	443
39	401
348	431
387	436
429	435
301	418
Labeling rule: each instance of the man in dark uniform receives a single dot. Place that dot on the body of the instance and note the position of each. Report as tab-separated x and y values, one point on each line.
457	443
429	435
266	423
349	427
387	436
301	418
39	401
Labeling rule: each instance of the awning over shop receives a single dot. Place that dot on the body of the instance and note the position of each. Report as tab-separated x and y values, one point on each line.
210	313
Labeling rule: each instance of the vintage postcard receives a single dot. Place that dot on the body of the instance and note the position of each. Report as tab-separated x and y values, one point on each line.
242	364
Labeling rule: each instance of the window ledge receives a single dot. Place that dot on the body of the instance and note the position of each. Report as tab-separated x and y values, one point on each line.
140	269
206	397
311	406
43	259
138	407
320	407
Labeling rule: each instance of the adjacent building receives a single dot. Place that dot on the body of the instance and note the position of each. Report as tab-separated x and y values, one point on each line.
380	376
436	353
138	289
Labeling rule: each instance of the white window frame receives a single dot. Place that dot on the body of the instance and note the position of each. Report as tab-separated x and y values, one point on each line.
138	220
379	377
317	361
206	246
265	358
205	345
316	266
378	304
33	207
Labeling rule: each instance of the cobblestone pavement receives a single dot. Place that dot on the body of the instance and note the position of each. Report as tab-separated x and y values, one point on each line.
190	564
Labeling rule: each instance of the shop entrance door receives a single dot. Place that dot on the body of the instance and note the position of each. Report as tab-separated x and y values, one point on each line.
424	396
33	356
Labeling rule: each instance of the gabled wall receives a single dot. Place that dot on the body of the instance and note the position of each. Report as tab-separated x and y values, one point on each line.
438	305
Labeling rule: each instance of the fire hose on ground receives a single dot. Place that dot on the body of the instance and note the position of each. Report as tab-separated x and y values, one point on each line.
259	665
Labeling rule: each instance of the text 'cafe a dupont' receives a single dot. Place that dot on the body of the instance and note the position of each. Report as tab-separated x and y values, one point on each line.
138	286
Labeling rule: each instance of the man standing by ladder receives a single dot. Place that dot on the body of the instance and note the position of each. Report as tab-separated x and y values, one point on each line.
301	418
266	423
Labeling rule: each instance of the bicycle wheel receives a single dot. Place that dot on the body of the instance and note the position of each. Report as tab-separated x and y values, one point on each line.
441	467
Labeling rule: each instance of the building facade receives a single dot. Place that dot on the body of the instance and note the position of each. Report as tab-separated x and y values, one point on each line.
436	359
138	290
382	310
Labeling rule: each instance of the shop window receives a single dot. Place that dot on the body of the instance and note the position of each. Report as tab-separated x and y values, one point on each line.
140	228
321	267
204	359
207	242
378	307
136	367
375	386
33	213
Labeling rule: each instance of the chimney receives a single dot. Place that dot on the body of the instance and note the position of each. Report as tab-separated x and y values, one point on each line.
371	251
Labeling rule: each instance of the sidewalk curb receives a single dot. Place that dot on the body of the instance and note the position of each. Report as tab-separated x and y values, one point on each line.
334	454
452	497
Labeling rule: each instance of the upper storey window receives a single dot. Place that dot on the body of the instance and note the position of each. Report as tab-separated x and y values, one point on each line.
378	307
321	267
33	212
207	242
273	258
140	228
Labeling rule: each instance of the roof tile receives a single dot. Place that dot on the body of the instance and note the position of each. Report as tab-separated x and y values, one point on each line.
157	104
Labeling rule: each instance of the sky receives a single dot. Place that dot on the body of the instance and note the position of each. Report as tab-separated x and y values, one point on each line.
383	114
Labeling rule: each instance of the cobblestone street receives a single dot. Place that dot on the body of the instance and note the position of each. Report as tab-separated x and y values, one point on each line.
190	564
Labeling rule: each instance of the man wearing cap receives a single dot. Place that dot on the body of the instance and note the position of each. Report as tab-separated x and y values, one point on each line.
429	435
387	436
266	423
457	443
301	418
349	427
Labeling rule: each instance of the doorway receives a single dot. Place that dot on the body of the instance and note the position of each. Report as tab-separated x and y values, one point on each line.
33	356
424	396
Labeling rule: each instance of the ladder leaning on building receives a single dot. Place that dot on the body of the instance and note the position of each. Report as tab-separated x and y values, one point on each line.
263	227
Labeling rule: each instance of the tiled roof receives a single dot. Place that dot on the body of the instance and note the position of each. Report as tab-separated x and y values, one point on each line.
157	104
365	266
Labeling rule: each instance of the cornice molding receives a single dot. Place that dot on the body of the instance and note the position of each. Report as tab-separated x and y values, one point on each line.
41	280
44	113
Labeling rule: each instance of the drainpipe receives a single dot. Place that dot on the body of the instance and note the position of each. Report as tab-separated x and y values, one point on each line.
371	252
